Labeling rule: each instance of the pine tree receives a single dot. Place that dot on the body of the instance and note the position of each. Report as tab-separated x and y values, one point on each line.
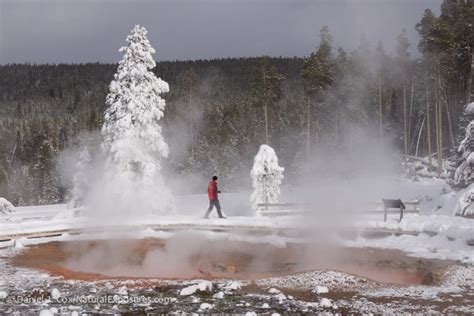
132	138
403	57
189	83
381	60
318	74
266	177
266	89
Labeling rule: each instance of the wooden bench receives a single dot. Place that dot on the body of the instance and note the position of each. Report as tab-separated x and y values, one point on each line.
398	206
388	206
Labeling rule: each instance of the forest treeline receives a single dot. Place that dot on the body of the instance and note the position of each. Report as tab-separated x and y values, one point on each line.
219	111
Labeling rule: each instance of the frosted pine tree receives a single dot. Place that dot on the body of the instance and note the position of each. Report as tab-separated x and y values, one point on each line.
266	177
132	138
464	174
80	179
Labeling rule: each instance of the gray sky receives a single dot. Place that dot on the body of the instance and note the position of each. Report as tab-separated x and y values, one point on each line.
57	31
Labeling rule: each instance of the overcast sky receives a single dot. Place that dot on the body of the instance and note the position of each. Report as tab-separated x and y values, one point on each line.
64	31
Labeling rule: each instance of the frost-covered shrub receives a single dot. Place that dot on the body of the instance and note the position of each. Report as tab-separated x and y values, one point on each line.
266	177
6	207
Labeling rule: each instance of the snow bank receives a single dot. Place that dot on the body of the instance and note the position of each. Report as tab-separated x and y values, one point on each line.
448	227
423	246
6	207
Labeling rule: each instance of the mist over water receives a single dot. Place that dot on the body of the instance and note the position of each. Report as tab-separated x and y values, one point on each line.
333	186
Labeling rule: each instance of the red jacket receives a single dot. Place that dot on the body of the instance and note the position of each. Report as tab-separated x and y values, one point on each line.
212	191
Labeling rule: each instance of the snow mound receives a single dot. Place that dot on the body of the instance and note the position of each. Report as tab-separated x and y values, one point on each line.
203	286
233	286
6	207
55	294
320	290
325	303
205	306
123	291
274	291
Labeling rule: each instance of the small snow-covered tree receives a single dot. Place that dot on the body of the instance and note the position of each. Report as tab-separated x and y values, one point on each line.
80	179
132	138
6	207
266	177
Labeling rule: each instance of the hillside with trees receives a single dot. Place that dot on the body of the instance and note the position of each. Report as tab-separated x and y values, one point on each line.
220	111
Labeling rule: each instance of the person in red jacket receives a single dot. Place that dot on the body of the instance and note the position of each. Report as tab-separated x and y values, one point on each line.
213	194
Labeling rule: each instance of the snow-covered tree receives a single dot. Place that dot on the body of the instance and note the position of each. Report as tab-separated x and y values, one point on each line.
132	138
464	204
464	174
80	180
266	177
6	207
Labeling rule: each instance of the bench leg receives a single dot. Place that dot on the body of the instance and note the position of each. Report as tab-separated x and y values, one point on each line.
384	213
401	214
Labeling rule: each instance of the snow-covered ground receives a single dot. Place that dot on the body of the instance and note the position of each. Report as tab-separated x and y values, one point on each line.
433	233
440	234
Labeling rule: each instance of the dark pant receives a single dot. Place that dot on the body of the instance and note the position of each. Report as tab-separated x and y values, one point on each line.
213	203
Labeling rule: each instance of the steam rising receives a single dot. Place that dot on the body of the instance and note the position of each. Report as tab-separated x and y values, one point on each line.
335	187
